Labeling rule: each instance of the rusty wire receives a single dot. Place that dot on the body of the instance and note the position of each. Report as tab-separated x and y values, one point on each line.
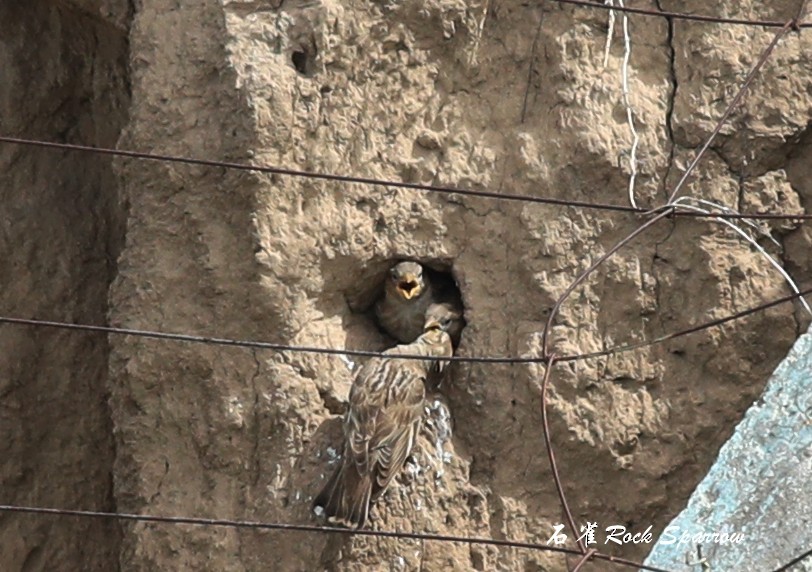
547	357
586	273
257	525
253	344
655	216
559	487
585	554
584	559
745	86
268	169
439	189
231	523
685	332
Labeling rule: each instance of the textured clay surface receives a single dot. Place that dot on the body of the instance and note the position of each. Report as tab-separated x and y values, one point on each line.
503	96
64	77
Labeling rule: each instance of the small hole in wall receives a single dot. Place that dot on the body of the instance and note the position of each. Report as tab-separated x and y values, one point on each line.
437	276
299	59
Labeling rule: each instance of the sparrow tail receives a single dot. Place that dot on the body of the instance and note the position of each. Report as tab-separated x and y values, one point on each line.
345	498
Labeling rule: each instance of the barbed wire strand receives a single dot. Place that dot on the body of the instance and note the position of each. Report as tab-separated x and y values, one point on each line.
685	332
288	527
682	15
381	182
210	340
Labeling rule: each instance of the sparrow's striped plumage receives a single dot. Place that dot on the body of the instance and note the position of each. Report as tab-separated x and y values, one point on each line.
449	319
381	425
449	316
409	291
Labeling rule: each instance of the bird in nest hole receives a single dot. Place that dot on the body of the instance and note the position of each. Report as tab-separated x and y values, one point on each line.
409	290
383	421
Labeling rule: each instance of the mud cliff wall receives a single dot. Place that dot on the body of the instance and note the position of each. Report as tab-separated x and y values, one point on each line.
502	96
64	77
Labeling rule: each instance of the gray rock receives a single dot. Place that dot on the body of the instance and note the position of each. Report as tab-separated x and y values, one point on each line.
759	488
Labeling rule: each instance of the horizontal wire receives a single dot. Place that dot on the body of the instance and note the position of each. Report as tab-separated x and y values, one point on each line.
380	182
681	15
281	526
314	175
253	344
256	525
191	338
415	186
764	216
691	330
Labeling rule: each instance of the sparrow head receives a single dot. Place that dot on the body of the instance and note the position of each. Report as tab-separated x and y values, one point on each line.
441	317
406	280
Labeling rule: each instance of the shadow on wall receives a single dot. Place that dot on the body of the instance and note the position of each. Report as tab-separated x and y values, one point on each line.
65	78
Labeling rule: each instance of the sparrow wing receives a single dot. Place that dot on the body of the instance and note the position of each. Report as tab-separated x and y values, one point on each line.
386	405
367	397
398	422
380	428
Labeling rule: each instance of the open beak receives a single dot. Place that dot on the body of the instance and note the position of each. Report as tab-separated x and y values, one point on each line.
432	325
409	287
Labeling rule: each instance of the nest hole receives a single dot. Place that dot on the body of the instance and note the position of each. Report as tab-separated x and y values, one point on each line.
299	59
369	286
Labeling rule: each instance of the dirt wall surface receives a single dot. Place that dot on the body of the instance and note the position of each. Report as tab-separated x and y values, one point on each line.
502	96
64	77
